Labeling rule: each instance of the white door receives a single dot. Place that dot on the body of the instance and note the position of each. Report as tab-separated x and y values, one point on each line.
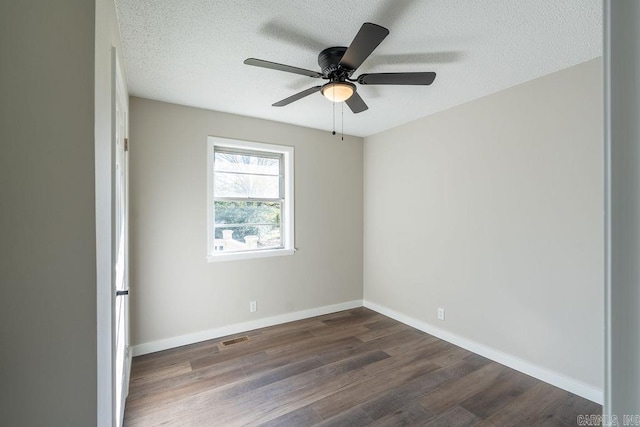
122	357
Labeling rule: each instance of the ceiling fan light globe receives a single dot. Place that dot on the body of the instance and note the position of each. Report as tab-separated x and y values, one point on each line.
338	91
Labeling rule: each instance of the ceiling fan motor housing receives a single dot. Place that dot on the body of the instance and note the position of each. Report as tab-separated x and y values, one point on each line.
329	60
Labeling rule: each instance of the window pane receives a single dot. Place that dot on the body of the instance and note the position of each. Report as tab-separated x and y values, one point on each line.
245	163
247	238
235	185
247	225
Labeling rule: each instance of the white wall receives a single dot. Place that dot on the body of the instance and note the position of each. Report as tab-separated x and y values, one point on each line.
174	291
493	210
622	95
47	217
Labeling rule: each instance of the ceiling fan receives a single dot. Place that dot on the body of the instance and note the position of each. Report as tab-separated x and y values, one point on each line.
339	63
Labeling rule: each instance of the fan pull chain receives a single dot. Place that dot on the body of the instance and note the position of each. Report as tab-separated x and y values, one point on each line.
334	119
343	121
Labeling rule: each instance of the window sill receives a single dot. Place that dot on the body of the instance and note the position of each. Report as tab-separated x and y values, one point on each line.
235	256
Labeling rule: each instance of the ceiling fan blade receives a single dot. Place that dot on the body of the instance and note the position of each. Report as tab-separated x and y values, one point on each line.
297	96
356	103
397	78
281	67
365	42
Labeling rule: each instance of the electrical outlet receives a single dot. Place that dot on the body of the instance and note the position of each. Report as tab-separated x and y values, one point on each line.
253	306
440	313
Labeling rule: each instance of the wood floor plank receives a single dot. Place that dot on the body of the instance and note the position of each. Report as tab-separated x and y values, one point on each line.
385	403
372	375
535	407
189	385
567	412
155	362
295	392
382	324
186	375
324	381
317	348
350	322
419	342
288	348
249	347
304	324
410	385
383	371
381	332
355	367
499	394
301	417
382	343
456	417
159	373
351	316
256	382
452	393
411	414
195	405
354	417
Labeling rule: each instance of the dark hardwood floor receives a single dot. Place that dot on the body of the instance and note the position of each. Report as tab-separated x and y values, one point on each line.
352	368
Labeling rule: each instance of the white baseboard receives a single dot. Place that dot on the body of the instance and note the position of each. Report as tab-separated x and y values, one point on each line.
223	331
576	387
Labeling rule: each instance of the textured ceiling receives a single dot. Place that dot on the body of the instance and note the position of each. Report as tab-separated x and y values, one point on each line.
191	52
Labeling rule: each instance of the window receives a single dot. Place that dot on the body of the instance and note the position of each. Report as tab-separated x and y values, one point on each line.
250	203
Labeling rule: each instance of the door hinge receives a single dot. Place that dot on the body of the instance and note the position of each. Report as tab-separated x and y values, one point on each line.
126	144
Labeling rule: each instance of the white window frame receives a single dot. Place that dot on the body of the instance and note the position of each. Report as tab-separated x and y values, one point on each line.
287	228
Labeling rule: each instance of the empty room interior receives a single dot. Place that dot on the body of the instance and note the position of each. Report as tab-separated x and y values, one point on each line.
317	213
